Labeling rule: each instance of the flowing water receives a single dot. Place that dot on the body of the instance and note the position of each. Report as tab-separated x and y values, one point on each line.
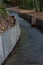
29	49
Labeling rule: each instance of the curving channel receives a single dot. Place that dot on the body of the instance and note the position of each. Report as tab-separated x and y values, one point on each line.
29	49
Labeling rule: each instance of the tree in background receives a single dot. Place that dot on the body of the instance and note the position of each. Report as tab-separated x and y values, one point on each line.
37	5
26	4
41	5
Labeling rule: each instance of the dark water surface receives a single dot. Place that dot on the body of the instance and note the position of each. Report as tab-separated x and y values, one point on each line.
29	50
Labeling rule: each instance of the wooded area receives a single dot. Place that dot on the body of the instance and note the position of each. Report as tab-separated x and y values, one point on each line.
37	5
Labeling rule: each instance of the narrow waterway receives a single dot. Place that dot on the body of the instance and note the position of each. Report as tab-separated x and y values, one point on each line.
29	49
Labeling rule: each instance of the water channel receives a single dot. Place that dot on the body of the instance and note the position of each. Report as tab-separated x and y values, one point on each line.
29	49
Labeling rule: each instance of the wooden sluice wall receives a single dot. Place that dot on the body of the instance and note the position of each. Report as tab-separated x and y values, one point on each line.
34	20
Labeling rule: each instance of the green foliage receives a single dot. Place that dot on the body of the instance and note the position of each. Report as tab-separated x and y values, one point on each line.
41	5
3	12
31	4
26	4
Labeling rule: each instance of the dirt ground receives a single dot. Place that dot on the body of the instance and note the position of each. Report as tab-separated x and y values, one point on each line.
20	10
29	12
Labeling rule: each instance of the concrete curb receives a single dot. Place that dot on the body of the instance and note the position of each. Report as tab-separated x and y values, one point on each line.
8	41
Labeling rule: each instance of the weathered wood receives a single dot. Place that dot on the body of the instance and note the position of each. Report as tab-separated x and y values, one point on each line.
33	21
